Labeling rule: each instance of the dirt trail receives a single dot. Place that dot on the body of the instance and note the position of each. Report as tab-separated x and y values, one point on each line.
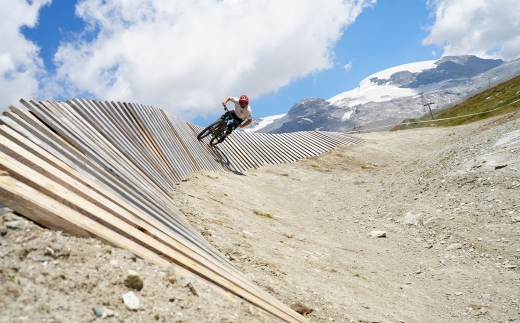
447	201
301	230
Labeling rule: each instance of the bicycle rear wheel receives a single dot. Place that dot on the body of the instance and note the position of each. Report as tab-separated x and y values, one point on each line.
213	142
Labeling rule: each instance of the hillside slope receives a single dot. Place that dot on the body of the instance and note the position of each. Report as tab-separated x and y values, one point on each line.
501	99
448	200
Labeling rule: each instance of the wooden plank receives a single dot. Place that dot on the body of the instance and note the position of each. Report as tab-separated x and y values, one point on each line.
153	129
30	119
302	139
298	140
129	172
52	143
126	128
88	180
278	150
173	153
272	149
8	127
54	215
325	139
184	228
182	135
24	147
171	139
227	151
303	153
188	140
70	132
46	211
289	151
256	143
205	149
28	165
51	137
133	234
236	155
281	142
289	154
20	140
172	173
132	176
191	143
233	142
104	152
312	140
105	177
144	134
112	134
260	143
46	218
247	148
346	139
181	226
72	159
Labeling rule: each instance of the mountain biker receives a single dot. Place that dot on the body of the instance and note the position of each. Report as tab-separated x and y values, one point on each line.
242	111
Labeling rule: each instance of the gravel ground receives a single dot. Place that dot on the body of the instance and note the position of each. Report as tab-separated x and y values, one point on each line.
47	276
411	226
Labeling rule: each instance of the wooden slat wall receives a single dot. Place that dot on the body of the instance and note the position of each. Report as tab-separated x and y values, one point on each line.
105	169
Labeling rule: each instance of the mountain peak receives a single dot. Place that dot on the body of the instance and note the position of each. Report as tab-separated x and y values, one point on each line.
396	93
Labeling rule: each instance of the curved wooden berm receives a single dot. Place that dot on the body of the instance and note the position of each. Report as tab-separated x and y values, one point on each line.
105	170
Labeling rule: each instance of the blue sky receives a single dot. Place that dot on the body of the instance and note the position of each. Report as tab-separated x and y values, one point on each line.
186	56
386	35
56	22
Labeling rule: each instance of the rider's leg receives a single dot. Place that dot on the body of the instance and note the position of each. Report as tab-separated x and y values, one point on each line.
231	126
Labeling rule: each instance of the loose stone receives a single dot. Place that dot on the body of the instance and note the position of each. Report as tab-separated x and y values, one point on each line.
133	280
377	234
131	301
454	246
97	311
16	224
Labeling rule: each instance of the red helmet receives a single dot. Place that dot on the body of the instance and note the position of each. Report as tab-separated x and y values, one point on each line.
243	99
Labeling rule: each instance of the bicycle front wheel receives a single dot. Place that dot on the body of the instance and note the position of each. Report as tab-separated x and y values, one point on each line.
209	129
218	134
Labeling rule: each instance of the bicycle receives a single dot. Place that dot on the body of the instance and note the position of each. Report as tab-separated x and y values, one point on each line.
217	129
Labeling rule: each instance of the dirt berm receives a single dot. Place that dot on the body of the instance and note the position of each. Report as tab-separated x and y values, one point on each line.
411	226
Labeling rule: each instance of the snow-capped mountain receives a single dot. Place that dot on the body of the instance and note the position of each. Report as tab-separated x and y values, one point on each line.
397	93
263	123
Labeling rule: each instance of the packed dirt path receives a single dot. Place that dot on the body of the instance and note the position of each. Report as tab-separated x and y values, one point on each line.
450	220
410	226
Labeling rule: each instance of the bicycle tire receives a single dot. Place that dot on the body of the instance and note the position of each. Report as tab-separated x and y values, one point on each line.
209	129
220	132
213	142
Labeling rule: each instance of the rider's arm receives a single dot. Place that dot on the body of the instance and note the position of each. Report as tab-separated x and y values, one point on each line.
226	100
247	123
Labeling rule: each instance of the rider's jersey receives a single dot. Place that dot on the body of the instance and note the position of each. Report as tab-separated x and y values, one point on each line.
245	113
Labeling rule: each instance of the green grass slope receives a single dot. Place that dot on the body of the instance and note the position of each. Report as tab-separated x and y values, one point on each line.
501	99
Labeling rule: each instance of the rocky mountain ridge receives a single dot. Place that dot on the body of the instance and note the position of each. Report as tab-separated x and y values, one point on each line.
388	97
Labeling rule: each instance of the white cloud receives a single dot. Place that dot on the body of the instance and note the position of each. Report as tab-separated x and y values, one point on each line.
20	65
486	28
348	66
186	56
